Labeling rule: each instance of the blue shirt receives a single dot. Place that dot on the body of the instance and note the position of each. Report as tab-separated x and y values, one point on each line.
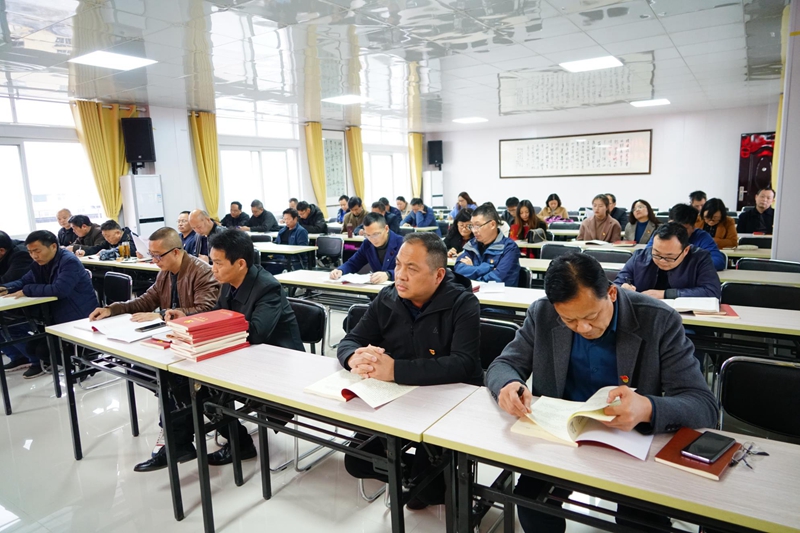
592	364
640	227
189	243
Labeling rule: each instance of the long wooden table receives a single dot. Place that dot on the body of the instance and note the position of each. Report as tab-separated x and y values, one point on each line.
732	253
762	499
93	261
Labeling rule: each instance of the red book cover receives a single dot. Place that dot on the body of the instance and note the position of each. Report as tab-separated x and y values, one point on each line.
207	320
156	343
212	354
215	333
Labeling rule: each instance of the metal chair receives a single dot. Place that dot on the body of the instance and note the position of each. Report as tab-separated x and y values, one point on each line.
256	256
117	287
525	278
329	250
312	318
444	226
770	265
761	295
552	250
354	315
260	237
495	336
611	274
564	225
761	242
609	256
776	411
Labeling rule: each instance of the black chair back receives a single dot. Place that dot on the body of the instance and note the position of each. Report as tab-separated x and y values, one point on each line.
609	256
354	315
768	265
406	230
256	256
525	278
495	335
117	287
444	226
330	248
564	225
764	393
312	319
260	237
552	250
761	295
611	274
761	242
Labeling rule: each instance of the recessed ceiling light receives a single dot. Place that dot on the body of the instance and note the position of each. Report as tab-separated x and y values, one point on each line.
112	61
650	103
346	99
596	63
470	120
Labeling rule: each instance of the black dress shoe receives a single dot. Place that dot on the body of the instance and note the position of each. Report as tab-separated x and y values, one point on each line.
416	504
159	460
223	456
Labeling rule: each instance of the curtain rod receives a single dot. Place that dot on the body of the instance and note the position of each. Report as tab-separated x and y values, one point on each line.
109	106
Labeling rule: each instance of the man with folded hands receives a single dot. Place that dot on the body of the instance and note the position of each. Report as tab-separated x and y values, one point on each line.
248	289
585	335
423	330
184	283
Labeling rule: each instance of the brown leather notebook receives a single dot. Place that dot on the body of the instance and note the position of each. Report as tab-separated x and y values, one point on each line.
670	455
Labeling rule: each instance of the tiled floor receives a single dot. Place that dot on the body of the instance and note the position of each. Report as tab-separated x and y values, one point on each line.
43	488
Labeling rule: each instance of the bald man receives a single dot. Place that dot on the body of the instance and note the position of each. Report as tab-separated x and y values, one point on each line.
204	226
66	236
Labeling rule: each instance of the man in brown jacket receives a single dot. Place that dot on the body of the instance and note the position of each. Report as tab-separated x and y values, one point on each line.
185	283
88	234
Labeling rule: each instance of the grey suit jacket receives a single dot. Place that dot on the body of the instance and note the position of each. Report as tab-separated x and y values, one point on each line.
652	352
630	232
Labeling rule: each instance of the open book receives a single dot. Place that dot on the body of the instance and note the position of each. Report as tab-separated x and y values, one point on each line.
344	386
571	423
597	242
120	328
700	305
357	279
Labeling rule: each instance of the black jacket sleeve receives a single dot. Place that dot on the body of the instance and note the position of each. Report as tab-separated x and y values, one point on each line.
367	331
18	264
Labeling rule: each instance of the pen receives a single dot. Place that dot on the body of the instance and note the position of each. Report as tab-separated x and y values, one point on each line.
521	391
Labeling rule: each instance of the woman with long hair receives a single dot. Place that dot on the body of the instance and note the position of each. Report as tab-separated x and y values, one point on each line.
715	221
642	222
464	201
553	208
525	221
459	233
600	226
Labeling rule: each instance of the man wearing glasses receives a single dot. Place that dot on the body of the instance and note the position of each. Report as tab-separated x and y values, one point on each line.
379	251
671	268
489	256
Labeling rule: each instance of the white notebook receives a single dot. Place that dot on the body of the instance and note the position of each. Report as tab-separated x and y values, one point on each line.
700	305
120	328
344	386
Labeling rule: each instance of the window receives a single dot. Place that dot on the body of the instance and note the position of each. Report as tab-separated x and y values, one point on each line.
14	214
269	175
386	175
249	118
35	112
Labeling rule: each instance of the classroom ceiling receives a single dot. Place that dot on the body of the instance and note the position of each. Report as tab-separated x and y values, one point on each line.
419	63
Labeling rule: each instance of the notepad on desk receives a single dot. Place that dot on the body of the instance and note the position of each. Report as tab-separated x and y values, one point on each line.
344	386
706	307
573	423
121	328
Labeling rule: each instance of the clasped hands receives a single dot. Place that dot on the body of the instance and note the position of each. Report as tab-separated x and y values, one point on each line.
372	362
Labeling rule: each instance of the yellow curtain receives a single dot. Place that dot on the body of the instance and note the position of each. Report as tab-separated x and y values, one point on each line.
415	163
356	151
316	164
776	152
206	155
100	135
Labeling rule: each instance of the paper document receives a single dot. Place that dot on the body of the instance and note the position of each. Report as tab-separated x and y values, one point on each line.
700	305
491	287
142	246
120	328
344	386
355	278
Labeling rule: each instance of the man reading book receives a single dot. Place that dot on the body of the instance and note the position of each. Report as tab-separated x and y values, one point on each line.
378	250
423	330
587	334
248	289
184	283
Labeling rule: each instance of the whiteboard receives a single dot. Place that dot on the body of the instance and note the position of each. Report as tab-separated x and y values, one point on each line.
597	154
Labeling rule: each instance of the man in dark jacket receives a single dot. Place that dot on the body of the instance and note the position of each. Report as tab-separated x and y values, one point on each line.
311	218
58	274
587	335
262	220
14	258
204	226
620	214
761	218
113	235
236	217
379	251
188	235
65	234
671	268
421	216
388	208
423	330
88	234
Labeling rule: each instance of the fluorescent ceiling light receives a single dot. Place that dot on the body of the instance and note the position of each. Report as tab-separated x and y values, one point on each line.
650	103
470	120
591	64
112	61
346	99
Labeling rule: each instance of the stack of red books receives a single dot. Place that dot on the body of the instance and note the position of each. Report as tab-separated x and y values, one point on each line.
205	335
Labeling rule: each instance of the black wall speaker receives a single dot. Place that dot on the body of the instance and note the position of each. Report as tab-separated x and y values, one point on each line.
435	153
137	133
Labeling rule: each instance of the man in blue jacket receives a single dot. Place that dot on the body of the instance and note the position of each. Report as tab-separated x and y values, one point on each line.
379	251
671	268
294	234
421	216
686	216
489	256
55	273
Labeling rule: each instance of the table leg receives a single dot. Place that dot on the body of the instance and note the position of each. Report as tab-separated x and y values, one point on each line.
235	445
394	455
169	444
450	502
73	409
202	457
509	522
51	347
464	493
263	450
6	396
132	407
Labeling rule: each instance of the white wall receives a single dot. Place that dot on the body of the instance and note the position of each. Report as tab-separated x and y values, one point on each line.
690	152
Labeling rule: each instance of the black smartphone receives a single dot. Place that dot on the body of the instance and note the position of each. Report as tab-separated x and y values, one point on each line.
708	447
151	327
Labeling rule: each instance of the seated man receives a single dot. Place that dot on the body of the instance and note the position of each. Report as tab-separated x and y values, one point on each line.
113	234
509	216
686	216
586	335
379	209
489	256
379	251
759	219
293	203
262	220
355	216
184	283
423	330
698	199
311	218
56	273
343	209
620	214
188	235
236	217
66	235
88	234
388	208
671	268
421	216
248	289
14	258
204	226
292	233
